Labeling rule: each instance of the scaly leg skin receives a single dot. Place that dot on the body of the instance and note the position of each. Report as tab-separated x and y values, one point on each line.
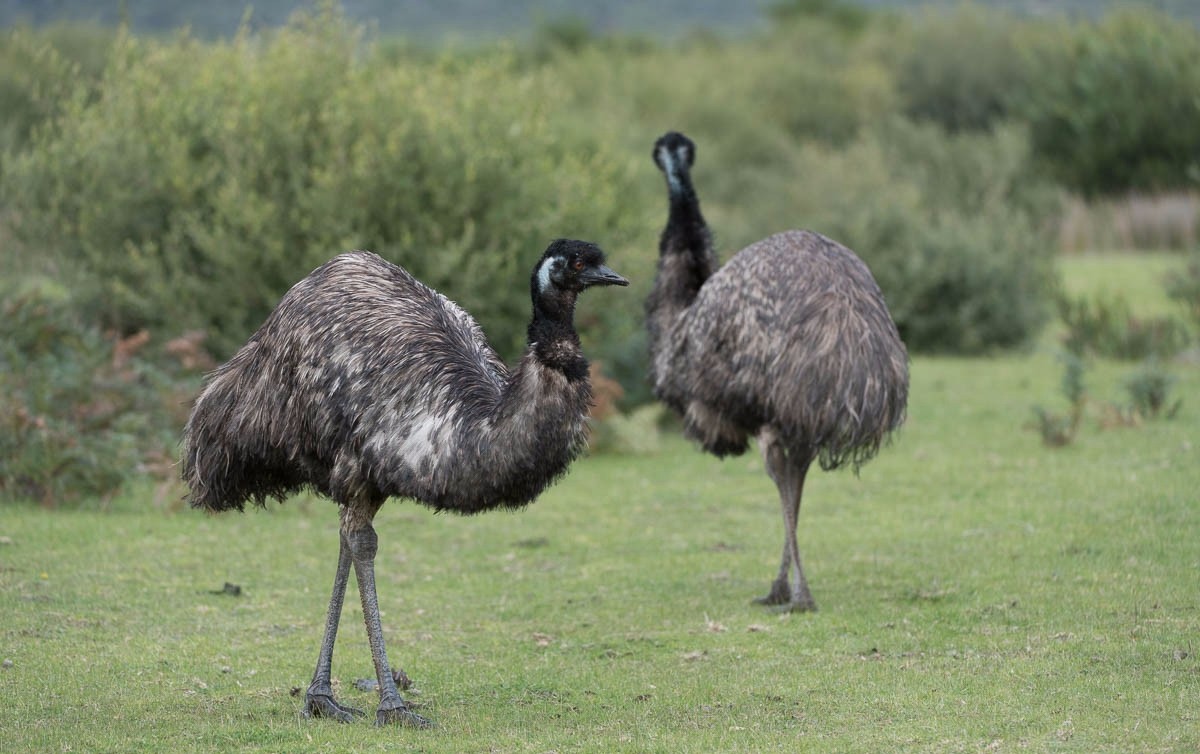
363	544
788	475
319	701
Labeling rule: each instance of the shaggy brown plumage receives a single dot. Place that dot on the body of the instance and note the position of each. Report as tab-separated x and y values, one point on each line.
790	342
364	384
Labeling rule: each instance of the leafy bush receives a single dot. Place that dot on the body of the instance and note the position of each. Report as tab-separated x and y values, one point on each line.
79	412
1105	326
1113	104
744	101
950	226
1149	392
1059	429
844	15
39	70
207	178
959	69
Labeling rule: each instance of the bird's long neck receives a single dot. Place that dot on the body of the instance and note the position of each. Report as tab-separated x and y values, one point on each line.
686	231
552	336
539	424
499	445
686	257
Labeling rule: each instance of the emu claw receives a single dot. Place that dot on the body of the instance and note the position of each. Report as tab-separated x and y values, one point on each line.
401	715
322	705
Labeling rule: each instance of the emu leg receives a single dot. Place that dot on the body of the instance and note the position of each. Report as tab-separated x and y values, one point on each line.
363	544
801	597
776	463
788	474
319	701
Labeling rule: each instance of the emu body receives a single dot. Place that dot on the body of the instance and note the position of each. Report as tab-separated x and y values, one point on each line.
790	342
364	384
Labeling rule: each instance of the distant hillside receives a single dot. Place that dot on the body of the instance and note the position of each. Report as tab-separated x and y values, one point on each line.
488	18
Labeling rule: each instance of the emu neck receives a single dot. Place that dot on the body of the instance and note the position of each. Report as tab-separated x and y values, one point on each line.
686	257
686	235
552	336
686	231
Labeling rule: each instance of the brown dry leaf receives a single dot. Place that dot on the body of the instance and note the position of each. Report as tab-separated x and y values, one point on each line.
714	626
542	640
189	350
125	348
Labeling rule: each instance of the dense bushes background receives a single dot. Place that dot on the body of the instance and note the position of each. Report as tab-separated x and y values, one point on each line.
79	410
206	179
1111	114
177	185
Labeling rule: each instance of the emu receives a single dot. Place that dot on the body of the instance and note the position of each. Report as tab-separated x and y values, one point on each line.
790	342
364	384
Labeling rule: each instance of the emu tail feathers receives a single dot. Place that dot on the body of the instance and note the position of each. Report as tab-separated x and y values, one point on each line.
219	468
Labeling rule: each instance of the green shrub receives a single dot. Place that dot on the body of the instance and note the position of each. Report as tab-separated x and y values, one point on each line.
947	225
79	412
844	15
40	69
1113	104
1150	390
207	178
960	69
742	101
1060	428
1105	326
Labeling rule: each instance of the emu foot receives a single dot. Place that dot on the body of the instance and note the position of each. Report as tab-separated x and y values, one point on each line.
781	597
780	594
323	705
401	715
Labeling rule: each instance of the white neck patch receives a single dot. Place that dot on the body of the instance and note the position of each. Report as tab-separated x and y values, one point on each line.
545	270
668	162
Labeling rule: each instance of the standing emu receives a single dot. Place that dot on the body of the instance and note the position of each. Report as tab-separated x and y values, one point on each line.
364	384
790	341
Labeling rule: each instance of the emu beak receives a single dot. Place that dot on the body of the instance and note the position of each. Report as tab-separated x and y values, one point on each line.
601	276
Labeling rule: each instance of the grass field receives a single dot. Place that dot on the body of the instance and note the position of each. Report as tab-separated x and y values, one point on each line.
1136	277
977	592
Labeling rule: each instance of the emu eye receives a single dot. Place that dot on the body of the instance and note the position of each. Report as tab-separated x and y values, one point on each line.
578	265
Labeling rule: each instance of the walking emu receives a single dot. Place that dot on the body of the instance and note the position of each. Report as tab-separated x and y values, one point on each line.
790	341
364	384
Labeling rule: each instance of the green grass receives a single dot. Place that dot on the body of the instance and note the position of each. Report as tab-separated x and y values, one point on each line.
977	592
1138	278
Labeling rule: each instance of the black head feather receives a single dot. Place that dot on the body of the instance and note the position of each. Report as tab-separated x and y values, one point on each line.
568	267
674	148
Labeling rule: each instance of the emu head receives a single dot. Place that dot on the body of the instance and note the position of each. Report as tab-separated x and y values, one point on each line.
673	151
568	267
674	154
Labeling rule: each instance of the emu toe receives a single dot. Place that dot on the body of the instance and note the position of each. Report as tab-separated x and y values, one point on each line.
323	705
401	715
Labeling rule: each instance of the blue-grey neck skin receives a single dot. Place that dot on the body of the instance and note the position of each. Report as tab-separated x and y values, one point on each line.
686	231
